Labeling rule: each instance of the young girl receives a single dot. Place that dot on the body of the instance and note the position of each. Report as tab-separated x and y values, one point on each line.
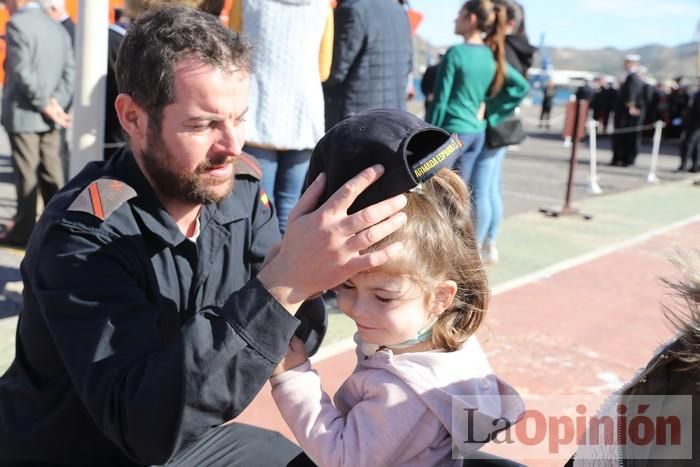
422	393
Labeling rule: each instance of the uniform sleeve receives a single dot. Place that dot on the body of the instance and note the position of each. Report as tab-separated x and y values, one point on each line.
349	37
637	93
18	51
368	434
504	103
325	56
151	383
312	316
442	89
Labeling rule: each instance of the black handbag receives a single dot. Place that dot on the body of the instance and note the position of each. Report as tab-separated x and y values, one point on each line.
507	132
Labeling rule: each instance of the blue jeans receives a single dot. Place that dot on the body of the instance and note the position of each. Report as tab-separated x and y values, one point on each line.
472	144
487	196
283	177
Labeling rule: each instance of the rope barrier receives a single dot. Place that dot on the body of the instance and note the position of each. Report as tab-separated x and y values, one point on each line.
558	118
593	186
537	121
633	129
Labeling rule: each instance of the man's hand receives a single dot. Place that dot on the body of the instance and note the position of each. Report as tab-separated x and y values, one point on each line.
295	356
324	247
54	112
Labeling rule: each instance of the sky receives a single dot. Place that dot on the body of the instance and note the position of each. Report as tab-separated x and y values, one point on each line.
583	24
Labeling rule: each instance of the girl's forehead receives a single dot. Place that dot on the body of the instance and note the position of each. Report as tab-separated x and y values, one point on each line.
400	283
384	277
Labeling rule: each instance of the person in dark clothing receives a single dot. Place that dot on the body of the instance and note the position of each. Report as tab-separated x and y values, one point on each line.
607	105
678	102
372	58
597	100
585	92
548	93
657	108
428	82
519	52
690	147
629	107
648	98
152	311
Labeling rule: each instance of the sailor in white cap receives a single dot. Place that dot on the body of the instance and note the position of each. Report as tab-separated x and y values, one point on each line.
629	113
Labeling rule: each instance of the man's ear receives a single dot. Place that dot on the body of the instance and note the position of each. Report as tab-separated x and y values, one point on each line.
132	118
443	296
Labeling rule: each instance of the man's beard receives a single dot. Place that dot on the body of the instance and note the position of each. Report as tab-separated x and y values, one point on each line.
190	187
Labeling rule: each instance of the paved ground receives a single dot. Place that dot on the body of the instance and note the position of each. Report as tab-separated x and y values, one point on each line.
570	334
577	303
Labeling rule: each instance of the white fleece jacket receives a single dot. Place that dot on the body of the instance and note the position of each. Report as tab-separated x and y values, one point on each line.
398	410
286	109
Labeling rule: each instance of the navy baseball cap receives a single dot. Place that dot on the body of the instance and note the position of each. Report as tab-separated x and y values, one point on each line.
410	150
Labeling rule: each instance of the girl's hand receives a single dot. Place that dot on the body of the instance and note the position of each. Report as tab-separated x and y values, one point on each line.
295	356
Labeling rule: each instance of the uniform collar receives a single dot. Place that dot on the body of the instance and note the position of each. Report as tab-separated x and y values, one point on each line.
152	213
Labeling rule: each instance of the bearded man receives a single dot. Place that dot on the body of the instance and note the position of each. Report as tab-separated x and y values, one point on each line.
151	314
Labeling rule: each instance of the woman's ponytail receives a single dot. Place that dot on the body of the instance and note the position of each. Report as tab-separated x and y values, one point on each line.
496	40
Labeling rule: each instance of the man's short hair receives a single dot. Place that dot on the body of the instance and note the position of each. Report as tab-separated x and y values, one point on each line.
210	6
158	39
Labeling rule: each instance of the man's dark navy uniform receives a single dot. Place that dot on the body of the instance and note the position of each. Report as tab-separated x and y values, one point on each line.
152	314
629	113
129	327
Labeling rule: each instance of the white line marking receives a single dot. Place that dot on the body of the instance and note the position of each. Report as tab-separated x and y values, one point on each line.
593	255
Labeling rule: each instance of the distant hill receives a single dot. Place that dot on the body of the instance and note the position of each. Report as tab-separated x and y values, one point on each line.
663	62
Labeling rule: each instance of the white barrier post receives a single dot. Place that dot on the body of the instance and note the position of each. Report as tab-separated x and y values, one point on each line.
91	33
658	126
593	186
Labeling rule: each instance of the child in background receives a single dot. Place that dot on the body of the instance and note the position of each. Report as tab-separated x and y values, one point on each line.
422	383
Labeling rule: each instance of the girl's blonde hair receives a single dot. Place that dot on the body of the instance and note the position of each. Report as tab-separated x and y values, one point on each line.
439	244
491	19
